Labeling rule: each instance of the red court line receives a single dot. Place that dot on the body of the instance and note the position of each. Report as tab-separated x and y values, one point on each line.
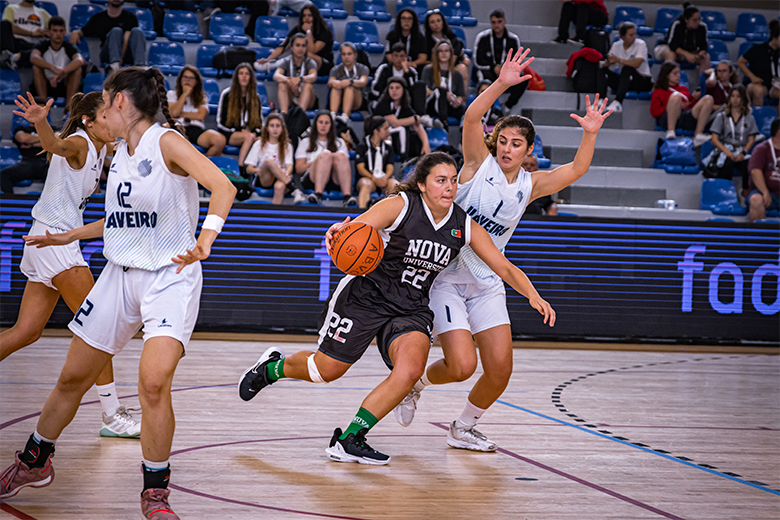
14	512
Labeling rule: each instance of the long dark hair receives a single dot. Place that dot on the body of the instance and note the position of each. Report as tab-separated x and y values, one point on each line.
313	135
523	124
743	100
146	89
446	30
284	138
249	102
423	170
397	33
406	99
318	24
196	96
82	106
663	75
689	10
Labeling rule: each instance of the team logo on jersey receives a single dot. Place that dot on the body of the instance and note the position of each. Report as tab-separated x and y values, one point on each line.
489	181
427	254
456	233
145	168
520	197
164	323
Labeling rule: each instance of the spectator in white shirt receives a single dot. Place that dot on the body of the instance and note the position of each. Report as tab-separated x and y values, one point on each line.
23	26
56	64
322	157
629	57
271	157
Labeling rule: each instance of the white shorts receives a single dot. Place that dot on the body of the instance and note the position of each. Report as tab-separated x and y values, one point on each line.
659	50
468	306
41	265
125	299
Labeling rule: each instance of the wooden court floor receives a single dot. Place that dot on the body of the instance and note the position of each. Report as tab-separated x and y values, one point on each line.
582	435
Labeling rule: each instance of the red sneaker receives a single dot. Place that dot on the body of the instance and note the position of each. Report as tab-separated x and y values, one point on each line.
19	475
154	505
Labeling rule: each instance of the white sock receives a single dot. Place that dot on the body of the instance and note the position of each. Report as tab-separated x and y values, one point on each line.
38	438
108	398
155	466
423	382
470	415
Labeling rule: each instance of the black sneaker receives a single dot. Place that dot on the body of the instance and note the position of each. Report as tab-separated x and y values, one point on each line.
561	39
355	449
314	198
350	201
255	378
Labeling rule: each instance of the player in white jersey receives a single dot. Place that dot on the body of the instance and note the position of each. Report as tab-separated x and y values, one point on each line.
468	299
76	162
152	280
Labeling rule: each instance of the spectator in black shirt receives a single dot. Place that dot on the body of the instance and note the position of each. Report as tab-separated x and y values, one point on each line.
490	51
686	40
394	68
57	64
445	89
761	65
543	205
407	32
121	40
374	161
395	106
437	29
33	165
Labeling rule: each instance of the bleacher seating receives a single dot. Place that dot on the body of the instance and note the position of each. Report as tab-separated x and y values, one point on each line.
437	137
50	7
145	22
226	163
538	151
204	57
270	31
181	26
752	27
10	86
720	197
460	33
80	14
336	45
365	36
9	155
716	26
684	161
167	56
635	15
457	12
93	82
286	11
227	29
331	9
212	93
718	51
764	117
418	6
374	10
664	18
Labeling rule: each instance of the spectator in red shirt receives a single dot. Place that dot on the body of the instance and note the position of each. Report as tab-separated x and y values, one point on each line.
719	83
765	176
674	106
582	13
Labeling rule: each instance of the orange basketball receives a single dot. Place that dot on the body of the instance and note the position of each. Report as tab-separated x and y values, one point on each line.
357	248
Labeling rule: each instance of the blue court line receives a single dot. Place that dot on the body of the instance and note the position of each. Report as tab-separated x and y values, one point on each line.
648	450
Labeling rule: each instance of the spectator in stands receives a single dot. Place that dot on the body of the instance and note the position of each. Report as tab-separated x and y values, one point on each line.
56	64
629	56
319	41
395	106
374	161
322	157
494	113
33	165
543	205
764	176
761	65
188	104
121	40
346	83
686	40
397	66
23	26
734	131
719	83
436	30
673	106
581	13
238	114
271	157
407	32
296	75
490	51
446	92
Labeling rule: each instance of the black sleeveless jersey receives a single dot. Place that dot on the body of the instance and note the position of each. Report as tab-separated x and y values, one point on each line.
417	251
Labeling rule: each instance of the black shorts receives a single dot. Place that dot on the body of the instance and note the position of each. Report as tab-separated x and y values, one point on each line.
357	312
193	133
686	121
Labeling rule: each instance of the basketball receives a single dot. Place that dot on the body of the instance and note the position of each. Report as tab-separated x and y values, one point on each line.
357	248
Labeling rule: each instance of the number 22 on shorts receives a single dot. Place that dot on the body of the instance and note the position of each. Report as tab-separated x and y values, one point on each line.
85	310
342	326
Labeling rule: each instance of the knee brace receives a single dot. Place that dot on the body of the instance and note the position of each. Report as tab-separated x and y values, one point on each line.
314	374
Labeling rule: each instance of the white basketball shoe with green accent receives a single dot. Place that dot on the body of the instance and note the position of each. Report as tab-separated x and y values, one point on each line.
121	424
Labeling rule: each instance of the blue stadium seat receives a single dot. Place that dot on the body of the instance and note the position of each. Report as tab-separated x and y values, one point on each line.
437	137
375	10
632	94
204	59
93	82
98	2
270	31
227	163
764	117
18	121
3	5
365	36
664	18
50	7
752	27
286	11
743	47
720	197
336	45
331	9
718	51
457	12
716	26
263	52
10	86
228	29
145	22
212	93
9	155
685	160
167	56
635	15
83	48
460	33
181	26
80	14
418	6
538	151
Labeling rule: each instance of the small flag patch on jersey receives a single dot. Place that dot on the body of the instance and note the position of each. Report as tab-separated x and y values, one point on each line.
145	168
456	233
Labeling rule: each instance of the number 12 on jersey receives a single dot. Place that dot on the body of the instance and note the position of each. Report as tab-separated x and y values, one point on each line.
415	276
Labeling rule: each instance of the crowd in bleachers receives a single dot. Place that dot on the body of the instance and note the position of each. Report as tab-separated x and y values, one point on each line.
420	89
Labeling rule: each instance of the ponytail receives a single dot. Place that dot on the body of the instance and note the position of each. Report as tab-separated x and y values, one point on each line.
146	89
81	107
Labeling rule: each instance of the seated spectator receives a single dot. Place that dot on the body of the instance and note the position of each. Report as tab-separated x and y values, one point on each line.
56	64
761	65
673	106
719	83
397	66
445	90
436	30
33	165
582	13
188	104
374	161
764	176
395	106
346	83
271	157
543	205
686	40
494	113
323	160
734	131
407	32
629	56
490	51
238	114
23	27
296	75
122	42
319	41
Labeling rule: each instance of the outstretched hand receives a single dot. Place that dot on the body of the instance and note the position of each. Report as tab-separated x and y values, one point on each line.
50	239
594	114
196	254
32	111
512	70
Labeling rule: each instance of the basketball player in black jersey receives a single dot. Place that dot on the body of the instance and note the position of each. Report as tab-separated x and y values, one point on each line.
423	232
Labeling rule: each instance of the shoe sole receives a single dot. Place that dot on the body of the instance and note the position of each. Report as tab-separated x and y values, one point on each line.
41	483
266	355
454	443
340	456
400	420
105	432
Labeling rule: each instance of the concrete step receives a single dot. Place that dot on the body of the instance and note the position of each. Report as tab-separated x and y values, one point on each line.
630	158
609	196
562	117
549	66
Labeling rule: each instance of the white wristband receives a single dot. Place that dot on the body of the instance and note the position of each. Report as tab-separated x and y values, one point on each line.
214	222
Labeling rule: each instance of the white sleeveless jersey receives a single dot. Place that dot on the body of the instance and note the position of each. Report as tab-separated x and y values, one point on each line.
66	190
497	206
151	213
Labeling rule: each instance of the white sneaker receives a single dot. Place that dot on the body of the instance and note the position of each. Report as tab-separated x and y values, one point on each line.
121	424
670	134
113	67
344	118
404	412
298	197
615	106
427	121
700	139
468	439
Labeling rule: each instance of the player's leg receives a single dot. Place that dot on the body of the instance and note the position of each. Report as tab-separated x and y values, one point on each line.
38	302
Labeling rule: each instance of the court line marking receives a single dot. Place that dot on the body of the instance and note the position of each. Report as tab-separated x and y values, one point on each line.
14	512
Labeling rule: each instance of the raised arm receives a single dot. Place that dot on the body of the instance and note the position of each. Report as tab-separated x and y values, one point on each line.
75	149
